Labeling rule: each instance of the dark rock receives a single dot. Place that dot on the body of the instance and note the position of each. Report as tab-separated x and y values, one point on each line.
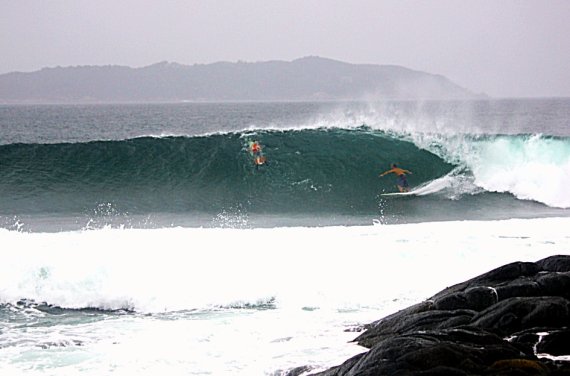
474	298
495	277
518	367
420	307
386	325
516	314
489	325
518	288
344	368
409	323
559	263
456	351
526	340
297	371
441	371
555	284
555	343
507	273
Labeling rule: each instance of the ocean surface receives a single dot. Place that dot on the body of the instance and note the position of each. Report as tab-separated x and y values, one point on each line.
143	238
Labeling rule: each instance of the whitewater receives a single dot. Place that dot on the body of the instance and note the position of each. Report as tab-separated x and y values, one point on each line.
231	301
142	239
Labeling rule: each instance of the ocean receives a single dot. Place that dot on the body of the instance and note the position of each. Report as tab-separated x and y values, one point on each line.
143	238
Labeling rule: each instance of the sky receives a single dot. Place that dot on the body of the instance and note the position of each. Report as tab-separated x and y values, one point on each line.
502	48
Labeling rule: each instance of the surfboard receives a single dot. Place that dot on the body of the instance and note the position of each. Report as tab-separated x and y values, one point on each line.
260	160
398	194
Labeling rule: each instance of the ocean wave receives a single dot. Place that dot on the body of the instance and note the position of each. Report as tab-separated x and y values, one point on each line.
325	170
529	166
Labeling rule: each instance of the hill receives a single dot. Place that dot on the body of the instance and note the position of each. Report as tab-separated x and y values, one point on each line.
305	79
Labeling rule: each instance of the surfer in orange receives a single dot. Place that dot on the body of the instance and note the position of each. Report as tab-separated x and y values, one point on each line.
255	148
258	157
402	182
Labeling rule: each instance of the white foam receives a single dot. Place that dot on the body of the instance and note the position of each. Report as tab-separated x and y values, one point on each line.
533	168
323	280
452	185
328	268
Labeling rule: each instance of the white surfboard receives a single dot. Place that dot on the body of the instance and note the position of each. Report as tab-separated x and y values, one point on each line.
398	194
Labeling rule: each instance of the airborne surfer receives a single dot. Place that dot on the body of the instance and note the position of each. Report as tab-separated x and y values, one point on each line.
402	182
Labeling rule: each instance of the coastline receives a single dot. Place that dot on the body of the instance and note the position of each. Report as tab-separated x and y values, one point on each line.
511	320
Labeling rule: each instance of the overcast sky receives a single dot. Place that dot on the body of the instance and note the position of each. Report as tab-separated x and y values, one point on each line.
499	47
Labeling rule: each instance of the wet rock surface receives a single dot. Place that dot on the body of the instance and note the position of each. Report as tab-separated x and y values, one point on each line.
513	320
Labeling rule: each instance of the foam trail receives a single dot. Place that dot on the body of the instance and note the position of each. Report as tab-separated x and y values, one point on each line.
452	185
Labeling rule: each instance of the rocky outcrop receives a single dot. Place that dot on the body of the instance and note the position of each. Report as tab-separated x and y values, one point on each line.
514	320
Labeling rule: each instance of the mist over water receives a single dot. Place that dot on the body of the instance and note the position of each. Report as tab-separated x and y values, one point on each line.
81	123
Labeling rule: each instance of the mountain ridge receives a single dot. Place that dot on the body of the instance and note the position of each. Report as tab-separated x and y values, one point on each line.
308	78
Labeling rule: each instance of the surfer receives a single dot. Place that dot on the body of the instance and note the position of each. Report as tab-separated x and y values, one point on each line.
255	148
402	182
258	157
